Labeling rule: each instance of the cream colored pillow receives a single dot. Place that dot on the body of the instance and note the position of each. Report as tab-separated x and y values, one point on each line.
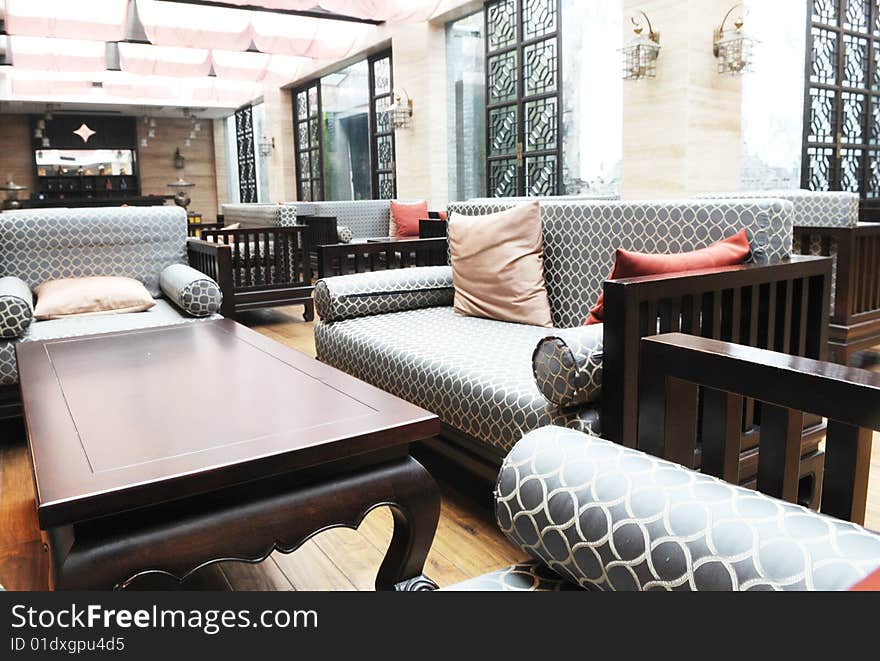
498	266
72	297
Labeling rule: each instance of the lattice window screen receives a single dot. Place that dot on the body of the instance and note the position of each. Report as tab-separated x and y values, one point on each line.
523	137
247	167
383	147
842	110
308	136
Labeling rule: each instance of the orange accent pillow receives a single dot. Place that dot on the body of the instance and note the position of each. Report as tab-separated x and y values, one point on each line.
443	215
869	584
405	218
728	252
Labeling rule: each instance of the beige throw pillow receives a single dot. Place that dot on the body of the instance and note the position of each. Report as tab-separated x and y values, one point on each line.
498	266
72	297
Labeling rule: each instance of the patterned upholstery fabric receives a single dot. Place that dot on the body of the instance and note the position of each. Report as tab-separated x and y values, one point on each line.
580	239
568	367
135	242
16	307
367	219
811	208
606	517
381	292
344	234
192	291
258	216
475	374
523	577
138	243
163	314
542	200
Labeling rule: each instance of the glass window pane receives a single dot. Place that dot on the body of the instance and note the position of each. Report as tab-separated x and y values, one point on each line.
466	107
345	99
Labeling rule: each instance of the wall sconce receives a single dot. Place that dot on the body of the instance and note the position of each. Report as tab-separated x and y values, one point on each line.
179	160
641	52
267	146
400	112
733	49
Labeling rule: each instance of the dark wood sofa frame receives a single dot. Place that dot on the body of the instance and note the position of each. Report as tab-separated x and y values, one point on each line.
257	268
331	258
855	321
781	306
682	372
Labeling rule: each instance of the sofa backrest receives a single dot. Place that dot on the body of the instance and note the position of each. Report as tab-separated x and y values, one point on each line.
580	238
135	242
811	208
258	216
367	219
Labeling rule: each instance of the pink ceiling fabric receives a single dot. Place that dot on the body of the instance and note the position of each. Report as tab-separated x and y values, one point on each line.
44	54
41	84
304	36
286	5
147	60
195	26
395	11
104	20
257	67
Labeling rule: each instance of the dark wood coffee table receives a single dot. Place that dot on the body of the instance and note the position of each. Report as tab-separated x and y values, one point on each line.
164	450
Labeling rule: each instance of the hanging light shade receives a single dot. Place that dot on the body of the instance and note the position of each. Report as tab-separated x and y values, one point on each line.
641	52
733	48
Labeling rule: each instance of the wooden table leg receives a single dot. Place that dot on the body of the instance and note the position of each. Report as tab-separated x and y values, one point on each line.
416	510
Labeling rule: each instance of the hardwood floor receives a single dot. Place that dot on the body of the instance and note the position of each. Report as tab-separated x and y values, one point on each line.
467	544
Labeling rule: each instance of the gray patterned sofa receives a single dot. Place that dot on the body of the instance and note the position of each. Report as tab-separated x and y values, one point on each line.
491	382
598	516
148	244
365	219
256	216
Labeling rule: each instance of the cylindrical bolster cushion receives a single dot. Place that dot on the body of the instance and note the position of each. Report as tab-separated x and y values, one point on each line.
383	292
192	291
568	366
16	307
607	517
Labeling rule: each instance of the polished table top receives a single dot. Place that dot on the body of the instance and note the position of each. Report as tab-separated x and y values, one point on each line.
129	420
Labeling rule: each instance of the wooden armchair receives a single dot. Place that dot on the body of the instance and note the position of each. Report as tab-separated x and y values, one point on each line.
693	392
257	268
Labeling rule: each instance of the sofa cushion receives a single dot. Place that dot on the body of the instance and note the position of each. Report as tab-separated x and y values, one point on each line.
498	266
41	245
191	291
405	217
727	252
163	314
610	518
475	374
367	219
568	366
71	297
16	307
580	238
522	577
810	208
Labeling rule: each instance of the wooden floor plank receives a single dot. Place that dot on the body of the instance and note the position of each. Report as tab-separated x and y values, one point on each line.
24	566
18	515
263	577
309	569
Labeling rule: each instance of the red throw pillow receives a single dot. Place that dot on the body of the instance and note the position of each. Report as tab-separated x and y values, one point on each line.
728	252
870	584
443	215
407	216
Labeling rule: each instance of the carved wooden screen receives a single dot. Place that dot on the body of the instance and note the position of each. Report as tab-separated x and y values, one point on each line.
842	110
308	138
523	90
382	145
247	166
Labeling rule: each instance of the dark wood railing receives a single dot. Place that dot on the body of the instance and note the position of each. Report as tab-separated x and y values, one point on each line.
782	307
677	368
855	319
379	255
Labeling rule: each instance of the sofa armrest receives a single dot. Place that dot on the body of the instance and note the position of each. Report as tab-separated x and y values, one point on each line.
16	307
780	306
568	365
608	517
192	291
383	292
